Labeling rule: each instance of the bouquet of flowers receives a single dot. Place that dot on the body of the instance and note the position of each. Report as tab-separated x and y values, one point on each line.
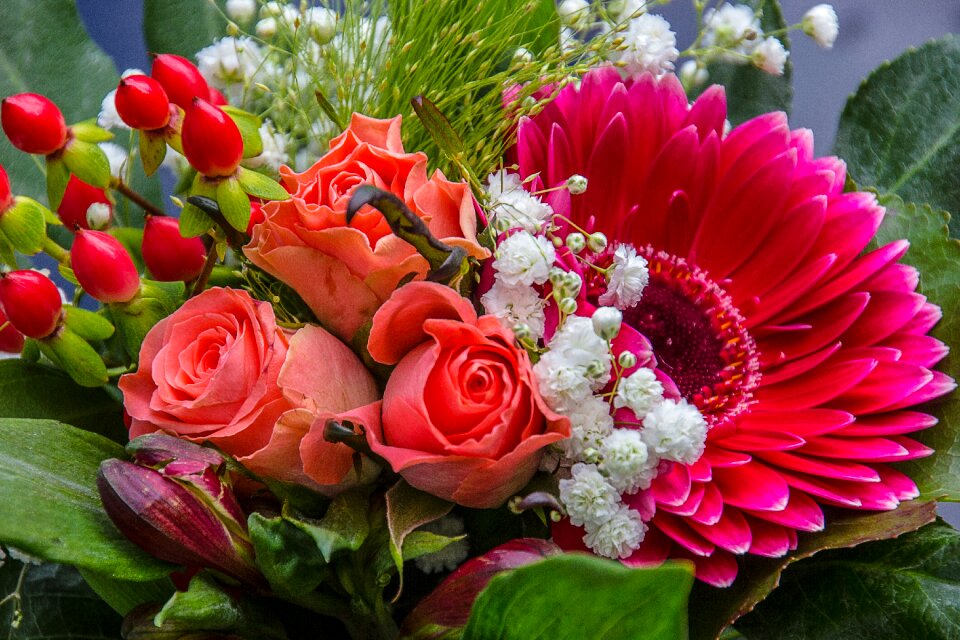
445	319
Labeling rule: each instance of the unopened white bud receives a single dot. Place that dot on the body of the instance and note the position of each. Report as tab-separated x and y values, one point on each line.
557	242
266	28
568	306
692	75
321	23
98	215
272	9
627	359
576	242
241	10
521	331
606	322
576	184
597	242
574	13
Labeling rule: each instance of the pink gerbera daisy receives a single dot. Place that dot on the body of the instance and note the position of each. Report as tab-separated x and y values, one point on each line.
804	351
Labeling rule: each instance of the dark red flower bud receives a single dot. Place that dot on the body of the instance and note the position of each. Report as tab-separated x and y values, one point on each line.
142	103
33	123
103	267
31	302
77	200
6	196
180	78
168	255
11	340
211	140
217	98
256	216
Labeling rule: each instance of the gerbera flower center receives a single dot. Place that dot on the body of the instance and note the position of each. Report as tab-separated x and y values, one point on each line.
697	335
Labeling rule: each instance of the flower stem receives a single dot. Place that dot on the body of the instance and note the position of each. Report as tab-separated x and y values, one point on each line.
136	198
201	282
55	251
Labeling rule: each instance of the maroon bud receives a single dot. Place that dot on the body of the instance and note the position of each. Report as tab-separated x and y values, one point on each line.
103	267
33	123
168	255
142	103
211	140
180	78
31	302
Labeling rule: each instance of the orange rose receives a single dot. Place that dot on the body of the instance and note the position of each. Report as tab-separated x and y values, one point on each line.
462	417
345	273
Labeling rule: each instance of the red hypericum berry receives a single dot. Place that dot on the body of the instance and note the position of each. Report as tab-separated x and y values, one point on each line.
256	216
168	255
76	200
31	301
11	340
6	196
142	103
33	123
103	267
217	98
211	140
180	78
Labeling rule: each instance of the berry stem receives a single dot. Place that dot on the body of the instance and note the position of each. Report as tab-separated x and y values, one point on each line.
55	251
136	198
201	282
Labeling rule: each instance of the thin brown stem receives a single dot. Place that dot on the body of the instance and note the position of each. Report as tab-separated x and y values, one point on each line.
137	199
201	282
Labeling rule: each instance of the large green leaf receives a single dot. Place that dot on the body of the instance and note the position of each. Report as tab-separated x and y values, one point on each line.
713	609
751	91
29	390
901	131
579	597
55	604
182	27
937	257
905	589
49	504
45	49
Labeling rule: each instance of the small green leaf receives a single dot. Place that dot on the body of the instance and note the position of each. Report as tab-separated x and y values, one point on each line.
132	240
76	357
153	149
261	186
234	203
901	131
49	504
124	595
421	543
135	318
249	126
438	127
899	589
88	162
57	178
562	593
24	225
343	528
287	556
87	324
194	222
6	253
88	131
68	274
407	509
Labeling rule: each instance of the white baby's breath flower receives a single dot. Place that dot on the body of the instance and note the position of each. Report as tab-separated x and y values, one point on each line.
628	278
590	423
821	24
516	305
588	497
274	153
650	46
574	13
451	555
770	56
607	322
563	384
230	63
579	345
627	462
117	157
524	258
241	10
619	536
692	75
675	431
640	392
266	28
733	27
321	23
98	215
511	206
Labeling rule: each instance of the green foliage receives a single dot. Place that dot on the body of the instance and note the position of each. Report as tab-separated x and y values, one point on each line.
288	557
46	50
182	27
751	91
343	527
55	604
893	589
901	131
49	504
407	509
937	257
580	597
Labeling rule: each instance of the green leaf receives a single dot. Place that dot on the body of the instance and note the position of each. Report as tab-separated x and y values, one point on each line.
249	126
88	131
76	357
899	589
89	162
750	91
132	240
87	324
194	222
182	27
124	595
421	543
153	149
901	131
57	178
343	527
134	319
24	225
936	256
234	203
579	597
407	509
49	504
714	608
261	186
56	604
46	50
287	556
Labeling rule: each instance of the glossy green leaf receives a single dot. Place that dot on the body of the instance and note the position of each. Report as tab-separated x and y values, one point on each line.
288	557
751	91
343	527
422	543
579	597
124	595
182	27
900	589
713	609
49	504
937	257
261	186
45	49
194	222
249	125
901	131
89	162
134	319
57	178
24	225
234	203
153	149
89	131
407	509
76	357
55	605
87	324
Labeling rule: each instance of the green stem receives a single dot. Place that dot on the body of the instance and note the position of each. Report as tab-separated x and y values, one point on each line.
55	251
201	282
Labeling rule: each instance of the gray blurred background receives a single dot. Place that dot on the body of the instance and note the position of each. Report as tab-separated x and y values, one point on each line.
871	31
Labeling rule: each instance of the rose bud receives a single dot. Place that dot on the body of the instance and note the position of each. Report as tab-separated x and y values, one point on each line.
11	340
180	78
142	103
103	267
168	255
33	123
77	200
31	302
211	140
170	519
6	195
